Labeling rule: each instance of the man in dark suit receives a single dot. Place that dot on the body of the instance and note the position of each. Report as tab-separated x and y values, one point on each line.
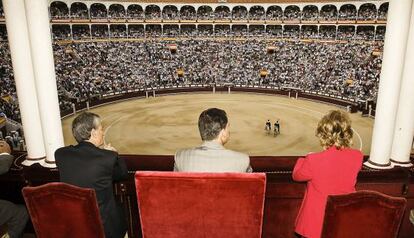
14	215
89	166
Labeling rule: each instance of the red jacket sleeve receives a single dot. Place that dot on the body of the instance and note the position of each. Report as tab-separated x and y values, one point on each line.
302	170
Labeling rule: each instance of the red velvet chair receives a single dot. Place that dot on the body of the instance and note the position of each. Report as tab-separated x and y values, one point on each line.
60	210
363	214
191	205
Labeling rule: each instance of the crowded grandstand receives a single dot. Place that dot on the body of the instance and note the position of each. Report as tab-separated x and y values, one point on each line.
103	48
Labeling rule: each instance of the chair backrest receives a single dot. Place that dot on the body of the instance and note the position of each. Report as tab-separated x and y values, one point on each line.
363	214
188	205
60	210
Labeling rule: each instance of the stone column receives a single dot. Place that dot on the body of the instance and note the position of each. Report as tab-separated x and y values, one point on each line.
399	13
44	71
23	75
404	126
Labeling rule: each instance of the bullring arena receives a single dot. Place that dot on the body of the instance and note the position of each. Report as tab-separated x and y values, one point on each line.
163	124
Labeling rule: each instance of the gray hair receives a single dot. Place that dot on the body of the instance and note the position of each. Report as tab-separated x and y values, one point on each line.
211	122
83	125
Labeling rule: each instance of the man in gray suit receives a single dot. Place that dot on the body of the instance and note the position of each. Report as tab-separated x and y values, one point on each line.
211	156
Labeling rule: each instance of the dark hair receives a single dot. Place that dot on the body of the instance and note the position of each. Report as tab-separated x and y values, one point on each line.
211	122
83	125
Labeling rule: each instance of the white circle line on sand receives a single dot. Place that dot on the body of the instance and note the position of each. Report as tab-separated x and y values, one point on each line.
359	138
112	123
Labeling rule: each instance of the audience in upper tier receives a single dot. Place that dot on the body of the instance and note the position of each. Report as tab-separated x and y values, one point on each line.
327	12
211	156
330	172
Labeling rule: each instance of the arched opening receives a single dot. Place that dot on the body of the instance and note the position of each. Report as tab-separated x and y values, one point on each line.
383	11
205	13
188	13
116	11
170	12
79	10
153	12
135	11
367	12
98	11
222	13
328	13
58	10
347	12
274	13
1	10
310	13
292	12
257	13
239	13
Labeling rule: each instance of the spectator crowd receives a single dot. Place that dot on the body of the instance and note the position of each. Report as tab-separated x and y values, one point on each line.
328	12
88	70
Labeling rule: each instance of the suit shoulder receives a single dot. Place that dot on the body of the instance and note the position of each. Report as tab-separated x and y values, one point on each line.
237	154
64	149
6	159
179	151
182	152
109	152
6	156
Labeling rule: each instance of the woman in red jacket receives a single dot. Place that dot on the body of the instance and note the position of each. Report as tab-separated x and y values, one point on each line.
330	172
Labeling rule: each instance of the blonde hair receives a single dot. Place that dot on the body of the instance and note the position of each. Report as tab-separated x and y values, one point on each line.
334	129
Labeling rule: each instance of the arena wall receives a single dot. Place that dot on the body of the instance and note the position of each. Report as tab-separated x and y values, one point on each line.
142	93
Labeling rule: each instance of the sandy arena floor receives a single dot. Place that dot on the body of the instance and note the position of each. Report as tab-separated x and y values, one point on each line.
164	124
